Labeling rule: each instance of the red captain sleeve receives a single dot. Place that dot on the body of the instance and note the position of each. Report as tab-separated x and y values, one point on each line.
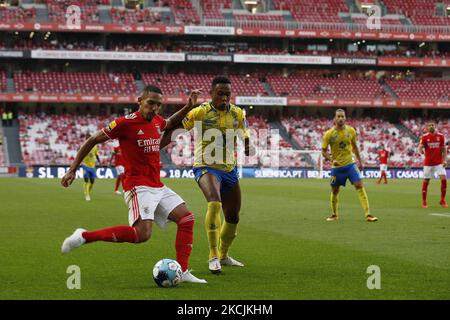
115	128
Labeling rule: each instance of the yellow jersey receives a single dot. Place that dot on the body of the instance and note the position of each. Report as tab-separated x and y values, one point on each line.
89	160
212	149
340	142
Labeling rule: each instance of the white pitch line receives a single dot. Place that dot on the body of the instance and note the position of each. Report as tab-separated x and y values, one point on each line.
440	215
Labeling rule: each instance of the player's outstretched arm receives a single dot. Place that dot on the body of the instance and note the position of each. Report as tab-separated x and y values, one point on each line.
175	120
87	146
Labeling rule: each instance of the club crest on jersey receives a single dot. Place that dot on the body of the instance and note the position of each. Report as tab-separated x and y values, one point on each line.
131	116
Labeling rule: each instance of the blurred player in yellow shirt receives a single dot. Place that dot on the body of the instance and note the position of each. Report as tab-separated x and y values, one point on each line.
215	168
342	141
89	170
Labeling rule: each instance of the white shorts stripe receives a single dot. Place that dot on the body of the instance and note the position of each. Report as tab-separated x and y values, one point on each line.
135	204
152	204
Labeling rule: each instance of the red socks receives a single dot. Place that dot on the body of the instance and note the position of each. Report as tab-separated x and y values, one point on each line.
113	234
183	242
424	191
119	180
443	189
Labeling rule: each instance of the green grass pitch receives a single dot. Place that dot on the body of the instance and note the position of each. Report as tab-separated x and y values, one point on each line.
290	251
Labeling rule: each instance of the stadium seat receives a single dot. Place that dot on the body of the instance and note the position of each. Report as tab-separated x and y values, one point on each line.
75	82
55	139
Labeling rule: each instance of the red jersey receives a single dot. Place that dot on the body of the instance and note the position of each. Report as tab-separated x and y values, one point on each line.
383	156
118	157
139	141
433	144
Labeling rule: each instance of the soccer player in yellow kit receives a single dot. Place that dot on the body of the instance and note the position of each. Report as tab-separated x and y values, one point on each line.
89	174
342	140
215	168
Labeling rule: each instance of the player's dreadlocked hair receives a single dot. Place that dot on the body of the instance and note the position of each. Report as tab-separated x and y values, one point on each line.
151	88
220	80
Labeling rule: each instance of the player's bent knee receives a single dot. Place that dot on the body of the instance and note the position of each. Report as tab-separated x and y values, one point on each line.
144	235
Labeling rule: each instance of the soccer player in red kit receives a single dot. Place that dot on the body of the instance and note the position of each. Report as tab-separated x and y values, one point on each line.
120	169
433	144
147	198
383	156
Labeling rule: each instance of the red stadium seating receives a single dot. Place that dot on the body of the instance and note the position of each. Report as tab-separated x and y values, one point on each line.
183	12
181	84
325	87
57	10
420	12
17	14
421	89
313	11
79	82
127	16
212	8
49	140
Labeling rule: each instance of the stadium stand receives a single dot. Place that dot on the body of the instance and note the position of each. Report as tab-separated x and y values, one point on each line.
180	84
313	11
127	16
55	139
325	87
420	12
421	89
212	8
75	82
57	10
18	14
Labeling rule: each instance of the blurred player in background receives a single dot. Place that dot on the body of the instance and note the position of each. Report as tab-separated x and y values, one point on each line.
219	181
383	156
435	149
342	140
116	157
89	170
147	198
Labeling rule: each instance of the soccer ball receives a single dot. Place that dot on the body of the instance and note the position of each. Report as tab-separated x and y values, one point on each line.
167	273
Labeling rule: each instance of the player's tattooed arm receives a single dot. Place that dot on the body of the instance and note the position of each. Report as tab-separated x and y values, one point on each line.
87	146
175	120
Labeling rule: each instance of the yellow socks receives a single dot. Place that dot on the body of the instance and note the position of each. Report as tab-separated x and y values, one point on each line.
212	224
87	188
91	185
362	195
227	235
334	203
